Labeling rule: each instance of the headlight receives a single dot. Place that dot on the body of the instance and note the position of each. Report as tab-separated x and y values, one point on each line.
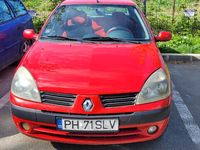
156	88
24	86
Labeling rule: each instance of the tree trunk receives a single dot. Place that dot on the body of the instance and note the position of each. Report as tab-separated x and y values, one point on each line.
174	10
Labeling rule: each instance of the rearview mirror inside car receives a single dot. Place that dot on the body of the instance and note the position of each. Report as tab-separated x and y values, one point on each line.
32	13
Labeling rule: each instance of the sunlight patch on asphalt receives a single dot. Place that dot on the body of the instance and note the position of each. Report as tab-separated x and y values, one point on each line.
186	116
4	100
22	142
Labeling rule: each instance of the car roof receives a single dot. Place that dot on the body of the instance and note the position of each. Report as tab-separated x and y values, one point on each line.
113	2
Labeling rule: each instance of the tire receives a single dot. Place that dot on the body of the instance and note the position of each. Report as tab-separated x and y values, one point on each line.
23	49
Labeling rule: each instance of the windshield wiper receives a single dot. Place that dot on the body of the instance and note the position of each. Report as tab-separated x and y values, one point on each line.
103	39
110	39
60	38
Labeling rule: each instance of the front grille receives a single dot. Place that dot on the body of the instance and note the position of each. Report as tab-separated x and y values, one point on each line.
118	100
58	98
125	135
121	133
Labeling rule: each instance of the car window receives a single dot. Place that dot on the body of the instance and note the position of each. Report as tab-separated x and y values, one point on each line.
121	22
18	6
102	10
5	13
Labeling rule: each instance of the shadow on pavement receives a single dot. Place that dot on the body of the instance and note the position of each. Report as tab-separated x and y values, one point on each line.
149	145
7	127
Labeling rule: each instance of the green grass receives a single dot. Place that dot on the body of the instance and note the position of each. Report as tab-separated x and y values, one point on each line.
186	31
181	44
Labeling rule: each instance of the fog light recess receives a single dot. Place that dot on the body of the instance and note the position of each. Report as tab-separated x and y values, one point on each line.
26	126
152	129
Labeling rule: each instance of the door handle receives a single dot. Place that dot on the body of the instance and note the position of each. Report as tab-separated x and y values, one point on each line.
19	28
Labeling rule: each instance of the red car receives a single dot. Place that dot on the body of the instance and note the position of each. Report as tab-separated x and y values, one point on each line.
93	76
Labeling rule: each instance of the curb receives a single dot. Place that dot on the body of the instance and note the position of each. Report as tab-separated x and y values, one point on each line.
181	57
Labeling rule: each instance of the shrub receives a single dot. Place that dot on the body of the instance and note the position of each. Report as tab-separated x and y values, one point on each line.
42	8
181	44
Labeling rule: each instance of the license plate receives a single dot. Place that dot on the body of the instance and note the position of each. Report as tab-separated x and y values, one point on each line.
88	125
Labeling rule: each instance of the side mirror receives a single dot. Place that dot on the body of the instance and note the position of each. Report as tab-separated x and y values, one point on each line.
32	13
163	36
30	34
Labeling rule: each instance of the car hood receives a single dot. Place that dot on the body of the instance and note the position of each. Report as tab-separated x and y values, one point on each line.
91	68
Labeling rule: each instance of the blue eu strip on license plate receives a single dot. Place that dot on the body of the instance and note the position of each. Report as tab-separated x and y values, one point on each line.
90	125
59	123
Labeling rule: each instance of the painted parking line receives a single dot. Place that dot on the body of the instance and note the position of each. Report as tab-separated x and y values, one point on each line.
187	118
4	100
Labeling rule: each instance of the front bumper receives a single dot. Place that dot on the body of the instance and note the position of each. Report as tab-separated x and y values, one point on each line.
133	126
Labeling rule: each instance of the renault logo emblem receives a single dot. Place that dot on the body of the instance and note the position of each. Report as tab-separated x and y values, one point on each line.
87	105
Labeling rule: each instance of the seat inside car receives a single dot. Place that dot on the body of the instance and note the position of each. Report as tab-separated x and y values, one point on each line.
117	19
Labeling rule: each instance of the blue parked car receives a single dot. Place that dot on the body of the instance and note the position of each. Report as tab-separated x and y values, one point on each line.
14	19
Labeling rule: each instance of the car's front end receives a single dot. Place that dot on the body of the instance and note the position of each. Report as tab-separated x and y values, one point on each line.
91	90
49	105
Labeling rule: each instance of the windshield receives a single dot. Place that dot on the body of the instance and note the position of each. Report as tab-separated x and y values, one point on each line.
96	23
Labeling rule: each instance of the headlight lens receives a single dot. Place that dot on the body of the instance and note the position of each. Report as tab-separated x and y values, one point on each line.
156	88
24	86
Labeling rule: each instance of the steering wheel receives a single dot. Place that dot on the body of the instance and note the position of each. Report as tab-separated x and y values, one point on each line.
120	32
118	28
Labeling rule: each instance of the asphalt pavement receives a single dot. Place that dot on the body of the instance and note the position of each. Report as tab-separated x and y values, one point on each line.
183	132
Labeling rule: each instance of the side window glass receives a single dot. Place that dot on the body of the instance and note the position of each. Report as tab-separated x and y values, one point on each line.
5	14
19	8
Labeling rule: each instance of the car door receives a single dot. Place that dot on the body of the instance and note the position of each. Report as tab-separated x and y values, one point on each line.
8	44
23	19
22	15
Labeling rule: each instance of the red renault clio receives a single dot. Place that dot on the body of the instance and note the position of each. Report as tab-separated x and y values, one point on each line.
93	76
